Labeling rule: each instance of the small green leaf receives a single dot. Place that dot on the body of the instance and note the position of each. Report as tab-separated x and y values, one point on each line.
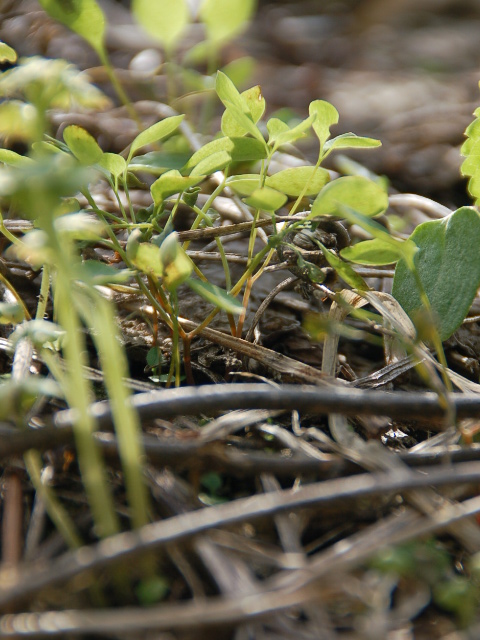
403	248
275	127
228	92
81	16
145	257
448	265
293	181
177	266
248	149
158	162
220	144
113	163
255	104
266	199
164	20
244	122
170	183
292	135
326	117
344	270
13	159
155	133
7	54
358	193
215	162
82	144
371	252
224	19
350	141
217	296
244	184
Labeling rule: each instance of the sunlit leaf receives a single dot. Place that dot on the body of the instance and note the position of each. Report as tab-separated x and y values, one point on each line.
165	20
81	16
326	117
215	162
13	159
7	54
244	184
371	252
266	199
176	265
224	19
170	183
293	181
360	194
292	135
113	163
255	105
220	144
350	141
344	270
82	144
155	133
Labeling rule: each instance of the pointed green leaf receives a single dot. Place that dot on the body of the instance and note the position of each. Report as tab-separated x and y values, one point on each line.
326	117
358	193
275	127
228	92
471	151
217	296
448	265
164	20
81	16
155	133
7	53
293	181
294	134
403	248
371	252
244	122
255	104
215	162
82	144
224	19
350	141
158	162
220	144
13	159
170	183
266	199
344	270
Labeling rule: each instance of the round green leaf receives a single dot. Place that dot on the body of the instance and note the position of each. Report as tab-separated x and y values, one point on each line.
164	20
170	183
266	199
326	117
224	19
293	181
82	144
244	184
358	193
448	265
216	162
